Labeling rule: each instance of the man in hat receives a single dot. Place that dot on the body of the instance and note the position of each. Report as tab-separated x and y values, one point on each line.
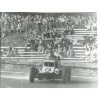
52	56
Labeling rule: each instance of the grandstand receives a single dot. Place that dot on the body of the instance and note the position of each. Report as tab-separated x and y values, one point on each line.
36	25
78	48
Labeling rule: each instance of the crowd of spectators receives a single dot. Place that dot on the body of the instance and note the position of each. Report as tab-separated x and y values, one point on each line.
12	22
62	46
90	44
39	27
10	51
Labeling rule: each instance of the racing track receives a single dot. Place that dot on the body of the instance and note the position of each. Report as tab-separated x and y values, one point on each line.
21	80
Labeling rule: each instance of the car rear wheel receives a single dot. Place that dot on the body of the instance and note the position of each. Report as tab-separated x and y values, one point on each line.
32	74
68	74
64	74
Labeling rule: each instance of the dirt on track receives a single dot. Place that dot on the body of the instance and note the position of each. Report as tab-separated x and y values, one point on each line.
76	82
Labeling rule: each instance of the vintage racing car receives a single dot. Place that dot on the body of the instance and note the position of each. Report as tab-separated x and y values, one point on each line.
50	71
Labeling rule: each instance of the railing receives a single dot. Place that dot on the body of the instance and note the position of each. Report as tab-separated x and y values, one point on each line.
78	50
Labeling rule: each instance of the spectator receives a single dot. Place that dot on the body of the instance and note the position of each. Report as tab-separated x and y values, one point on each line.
28	45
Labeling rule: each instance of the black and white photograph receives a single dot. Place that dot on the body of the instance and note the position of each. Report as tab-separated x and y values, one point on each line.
49	49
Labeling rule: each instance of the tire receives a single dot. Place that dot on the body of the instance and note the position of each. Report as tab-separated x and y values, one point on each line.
64	74
32	74
68	74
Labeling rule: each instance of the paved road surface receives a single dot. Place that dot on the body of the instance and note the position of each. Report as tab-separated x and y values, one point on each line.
21	80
